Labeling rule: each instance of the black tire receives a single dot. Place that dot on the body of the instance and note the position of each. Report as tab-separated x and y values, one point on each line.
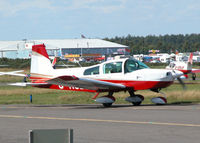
136	103
107	104
193	76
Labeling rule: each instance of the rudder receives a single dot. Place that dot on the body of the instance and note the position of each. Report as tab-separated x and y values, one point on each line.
40	63
190	60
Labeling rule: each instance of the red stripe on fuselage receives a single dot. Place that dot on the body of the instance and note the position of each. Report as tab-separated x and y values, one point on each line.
142	85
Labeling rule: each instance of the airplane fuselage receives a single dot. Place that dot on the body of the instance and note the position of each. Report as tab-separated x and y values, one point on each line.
115	72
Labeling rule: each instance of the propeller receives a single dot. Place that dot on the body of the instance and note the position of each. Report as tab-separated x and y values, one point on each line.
177	74
181	82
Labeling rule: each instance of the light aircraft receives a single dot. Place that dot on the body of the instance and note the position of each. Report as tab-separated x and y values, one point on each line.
125	74
185	67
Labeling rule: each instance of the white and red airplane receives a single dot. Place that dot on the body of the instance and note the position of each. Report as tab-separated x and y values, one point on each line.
185	67
112	76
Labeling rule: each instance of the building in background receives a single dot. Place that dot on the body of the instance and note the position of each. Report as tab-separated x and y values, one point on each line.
63	48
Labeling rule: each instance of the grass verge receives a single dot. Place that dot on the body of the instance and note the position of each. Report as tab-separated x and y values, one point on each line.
20	95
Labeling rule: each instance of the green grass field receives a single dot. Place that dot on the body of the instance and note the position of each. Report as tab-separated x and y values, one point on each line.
20	95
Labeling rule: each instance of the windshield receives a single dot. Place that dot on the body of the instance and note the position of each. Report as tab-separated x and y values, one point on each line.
132	65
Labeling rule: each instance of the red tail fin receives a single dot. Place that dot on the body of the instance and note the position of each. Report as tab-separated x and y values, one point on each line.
190	58
40	49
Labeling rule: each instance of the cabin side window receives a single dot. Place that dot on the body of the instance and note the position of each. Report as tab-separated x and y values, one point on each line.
92	71
114	67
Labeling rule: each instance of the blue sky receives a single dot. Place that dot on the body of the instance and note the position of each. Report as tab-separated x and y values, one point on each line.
58	19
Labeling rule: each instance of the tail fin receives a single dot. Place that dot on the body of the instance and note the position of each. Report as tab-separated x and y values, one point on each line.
190	58
40	63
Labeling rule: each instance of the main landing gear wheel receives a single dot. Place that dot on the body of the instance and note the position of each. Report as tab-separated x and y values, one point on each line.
106	101
107	104
136	103
135	99
140	99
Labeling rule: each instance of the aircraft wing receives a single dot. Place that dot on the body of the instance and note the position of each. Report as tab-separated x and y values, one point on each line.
86	83
15	73
195	70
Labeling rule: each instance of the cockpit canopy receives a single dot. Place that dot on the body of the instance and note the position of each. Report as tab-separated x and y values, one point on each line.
132	65
125	66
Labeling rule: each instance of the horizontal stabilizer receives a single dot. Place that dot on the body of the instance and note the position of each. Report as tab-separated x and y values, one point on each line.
23	84
14	73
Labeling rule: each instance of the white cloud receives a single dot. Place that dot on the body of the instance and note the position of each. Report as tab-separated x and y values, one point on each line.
8	8
104	6
191	11
165	11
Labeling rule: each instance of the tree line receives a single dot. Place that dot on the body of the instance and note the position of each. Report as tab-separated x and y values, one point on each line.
14	63
165	44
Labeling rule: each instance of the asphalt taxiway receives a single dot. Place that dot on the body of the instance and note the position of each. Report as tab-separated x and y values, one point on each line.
95	124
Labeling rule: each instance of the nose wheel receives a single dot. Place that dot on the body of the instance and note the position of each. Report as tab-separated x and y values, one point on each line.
161	100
